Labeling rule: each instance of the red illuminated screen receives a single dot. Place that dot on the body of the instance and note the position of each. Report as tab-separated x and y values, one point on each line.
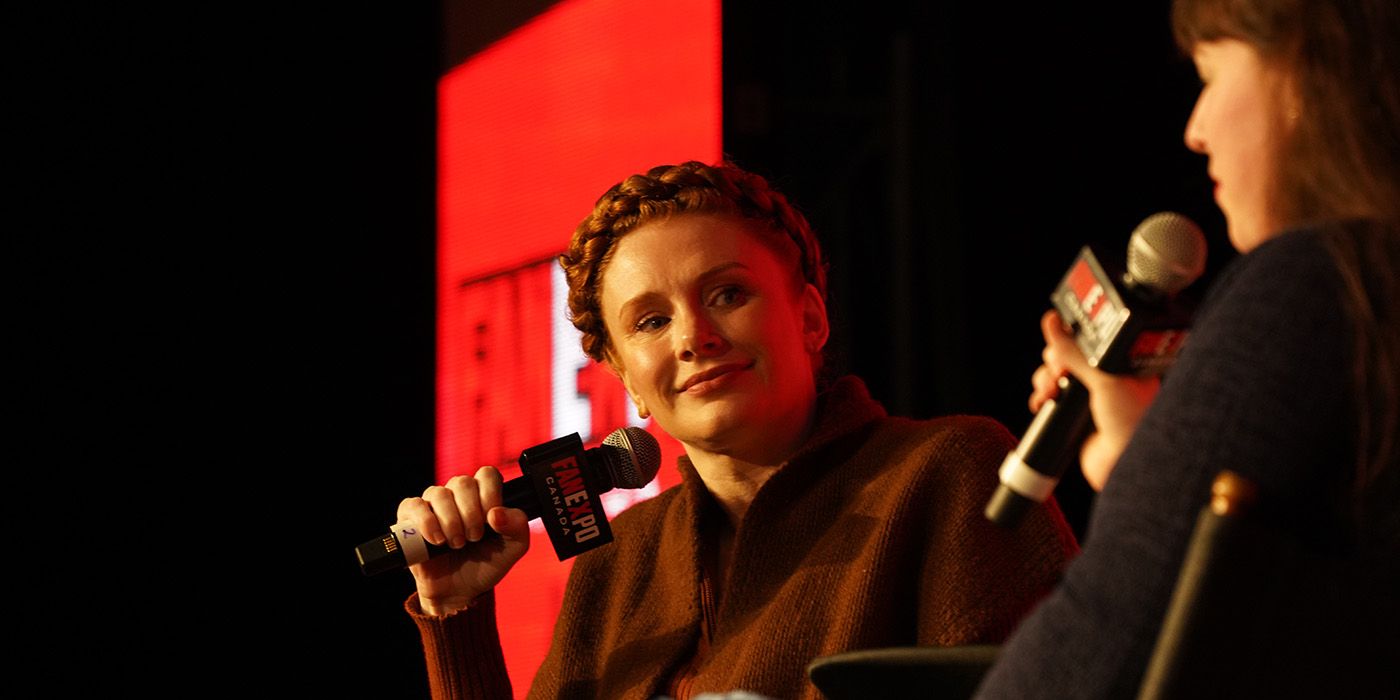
531	131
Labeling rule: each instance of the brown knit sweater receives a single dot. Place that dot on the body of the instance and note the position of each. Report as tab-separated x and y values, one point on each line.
872	535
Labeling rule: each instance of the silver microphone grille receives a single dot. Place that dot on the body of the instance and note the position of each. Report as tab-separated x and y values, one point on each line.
639	457
1166	253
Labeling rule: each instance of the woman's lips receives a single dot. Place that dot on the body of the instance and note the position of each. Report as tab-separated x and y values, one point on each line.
713	379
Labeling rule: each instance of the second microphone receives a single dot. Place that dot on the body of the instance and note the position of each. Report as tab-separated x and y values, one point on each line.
1128	322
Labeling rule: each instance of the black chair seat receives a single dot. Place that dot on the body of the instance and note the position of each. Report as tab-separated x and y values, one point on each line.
936	672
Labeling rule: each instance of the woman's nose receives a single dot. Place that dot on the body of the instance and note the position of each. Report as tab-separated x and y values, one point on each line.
1194	138
698	337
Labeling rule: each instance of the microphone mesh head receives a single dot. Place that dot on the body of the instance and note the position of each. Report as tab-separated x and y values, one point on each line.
1166	253
638	457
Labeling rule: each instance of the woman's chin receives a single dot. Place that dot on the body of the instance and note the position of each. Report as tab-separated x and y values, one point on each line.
1246	234
717	427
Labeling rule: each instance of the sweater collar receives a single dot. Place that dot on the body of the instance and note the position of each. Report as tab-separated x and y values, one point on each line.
841	410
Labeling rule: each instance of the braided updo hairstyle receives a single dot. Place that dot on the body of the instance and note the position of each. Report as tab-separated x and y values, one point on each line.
665	191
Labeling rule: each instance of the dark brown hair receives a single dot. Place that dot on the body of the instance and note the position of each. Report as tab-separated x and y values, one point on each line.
663	192
1341	173
1342	160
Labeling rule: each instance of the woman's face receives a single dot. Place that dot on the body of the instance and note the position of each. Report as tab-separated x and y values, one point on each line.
1240	123
711	335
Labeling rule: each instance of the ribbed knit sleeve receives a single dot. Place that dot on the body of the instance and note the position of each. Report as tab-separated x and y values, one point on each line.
463	650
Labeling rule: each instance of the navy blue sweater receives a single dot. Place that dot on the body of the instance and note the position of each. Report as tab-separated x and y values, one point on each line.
1264	388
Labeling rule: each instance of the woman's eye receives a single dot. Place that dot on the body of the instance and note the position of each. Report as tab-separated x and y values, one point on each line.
728	296
651	323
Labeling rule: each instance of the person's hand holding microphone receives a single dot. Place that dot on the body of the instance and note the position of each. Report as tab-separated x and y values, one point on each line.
457	515
1116	401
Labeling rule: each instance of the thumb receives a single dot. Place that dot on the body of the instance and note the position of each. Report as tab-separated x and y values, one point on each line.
1062	354
511	524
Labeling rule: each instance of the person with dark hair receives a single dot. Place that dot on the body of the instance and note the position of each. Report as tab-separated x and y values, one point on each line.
808	522
1291	376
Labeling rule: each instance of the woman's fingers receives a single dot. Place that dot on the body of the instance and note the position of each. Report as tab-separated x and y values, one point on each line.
454	513
1060	356
449	515
1061	353
1044	387
418	513
467	501
489	483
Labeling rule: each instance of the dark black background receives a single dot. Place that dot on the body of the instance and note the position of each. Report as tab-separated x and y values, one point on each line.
229	267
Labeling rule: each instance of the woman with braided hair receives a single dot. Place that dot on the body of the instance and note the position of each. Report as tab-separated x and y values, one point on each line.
808	522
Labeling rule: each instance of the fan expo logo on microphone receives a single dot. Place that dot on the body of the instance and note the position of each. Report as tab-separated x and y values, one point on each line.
571	504
1088	300
1117	331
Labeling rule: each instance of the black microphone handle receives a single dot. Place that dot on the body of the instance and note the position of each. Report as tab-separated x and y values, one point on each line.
1050	445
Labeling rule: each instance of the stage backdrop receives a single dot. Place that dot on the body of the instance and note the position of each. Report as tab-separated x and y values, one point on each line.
532	129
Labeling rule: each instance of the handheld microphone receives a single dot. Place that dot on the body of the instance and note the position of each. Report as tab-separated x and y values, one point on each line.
1125	323
560	482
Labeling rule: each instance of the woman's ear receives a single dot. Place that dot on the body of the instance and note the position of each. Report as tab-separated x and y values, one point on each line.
1289	99
621	373
815	327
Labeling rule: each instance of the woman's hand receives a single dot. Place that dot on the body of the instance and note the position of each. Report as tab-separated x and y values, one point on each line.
1116	402
457	515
